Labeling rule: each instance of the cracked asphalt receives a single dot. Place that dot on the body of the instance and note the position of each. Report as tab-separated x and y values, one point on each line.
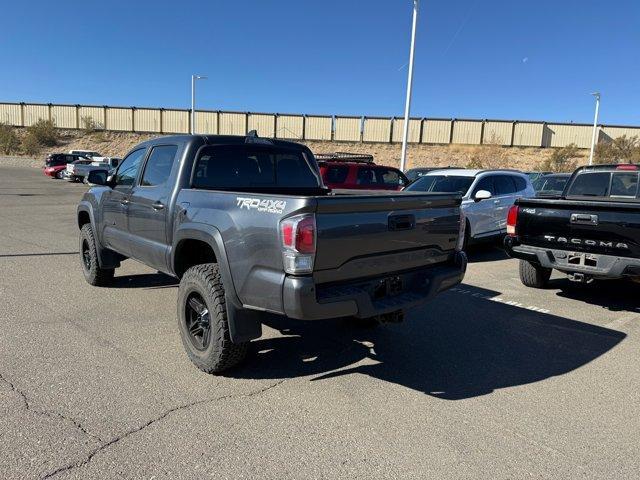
490	380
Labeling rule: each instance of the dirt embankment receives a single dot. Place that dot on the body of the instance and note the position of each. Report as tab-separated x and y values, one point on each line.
117	144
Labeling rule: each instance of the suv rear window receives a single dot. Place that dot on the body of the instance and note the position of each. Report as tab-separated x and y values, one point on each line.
380	176
336	174
227	167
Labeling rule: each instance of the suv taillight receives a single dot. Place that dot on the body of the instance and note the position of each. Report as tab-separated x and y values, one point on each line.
462	231
298	237
512	219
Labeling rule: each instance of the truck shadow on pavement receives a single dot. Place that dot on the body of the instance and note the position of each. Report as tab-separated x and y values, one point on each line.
454	348
485	253
148	281
612	295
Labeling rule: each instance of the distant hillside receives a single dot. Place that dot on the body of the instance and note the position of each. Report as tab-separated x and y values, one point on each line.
485	156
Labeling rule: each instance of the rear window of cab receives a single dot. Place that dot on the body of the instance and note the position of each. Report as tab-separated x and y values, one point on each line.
245	166
605	184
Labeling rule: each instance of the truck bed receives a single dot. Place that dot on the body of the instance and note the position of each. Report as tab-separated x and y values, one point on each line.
360	234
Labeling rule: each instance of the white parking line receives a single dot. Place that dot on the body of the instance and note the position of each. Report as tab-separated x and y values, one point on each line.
498	299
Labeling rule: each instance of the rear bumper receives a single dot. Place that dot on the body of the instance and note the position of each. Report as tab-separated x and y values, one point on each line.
606	266
305	300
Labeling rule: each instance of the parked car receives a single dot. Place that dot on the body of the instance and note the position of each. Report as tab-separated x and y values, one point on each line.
358	172
70	171
551	185
590	232
486	197
56	163
249	228
414	173
534	176
85	153
98	163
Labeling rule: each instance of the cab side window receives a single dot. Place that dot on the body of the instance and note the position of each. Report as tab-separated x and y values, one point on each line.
128	170
159	165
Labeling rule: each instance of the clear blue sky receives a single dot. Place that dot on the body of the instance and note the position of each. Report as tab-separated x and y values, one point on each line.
511	59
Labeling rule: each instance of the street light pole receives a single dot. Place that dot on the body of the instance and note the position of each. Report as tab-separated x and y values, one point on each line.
407	105
595	127
193	101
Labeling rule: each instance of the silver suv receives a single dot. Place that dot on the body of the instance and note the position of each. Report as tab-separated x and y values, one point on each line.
486	196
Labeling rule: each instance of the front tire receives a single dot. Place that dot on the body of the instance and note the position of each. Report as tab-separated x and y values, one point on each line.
93	274
59	174
203	321
534	276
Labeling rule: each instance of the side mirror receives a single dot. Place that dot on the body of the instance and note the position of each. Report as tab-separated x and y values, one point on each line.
482	195
98	177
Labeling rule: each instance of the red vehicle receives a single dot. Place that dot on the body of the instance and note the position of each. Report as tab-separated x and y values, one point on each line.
358	172
56	163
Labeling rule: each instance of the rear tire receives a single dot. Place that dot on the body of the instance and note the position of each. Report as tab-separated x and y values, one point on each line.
203	321
93	274
534	276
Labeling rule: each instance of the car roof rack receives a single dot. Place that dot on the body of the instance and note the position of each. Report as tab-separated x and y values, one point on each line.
344	157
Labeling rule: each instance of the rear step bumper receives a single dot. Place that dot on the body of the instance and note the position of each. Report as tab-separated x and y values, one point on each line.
305	300
592	265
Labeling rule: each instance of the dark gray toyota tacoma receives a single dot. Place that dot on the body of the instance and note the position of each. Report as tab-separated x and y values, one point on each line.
247	226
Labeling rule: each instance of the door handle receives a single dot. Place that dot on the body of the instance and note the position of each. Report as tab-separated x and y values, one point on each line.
157	206
124	202
496	201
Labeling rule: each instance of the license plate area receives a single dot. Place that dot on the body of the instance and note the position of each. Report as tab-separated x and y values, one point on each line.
582	259
389	286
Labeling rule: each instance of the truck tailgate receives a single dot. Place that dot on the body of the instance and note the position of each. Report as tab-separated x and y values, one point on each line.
611	228
360	235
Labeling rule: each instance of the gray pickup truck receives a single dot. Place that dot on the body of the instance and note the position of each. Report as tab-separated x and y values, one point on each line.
248	227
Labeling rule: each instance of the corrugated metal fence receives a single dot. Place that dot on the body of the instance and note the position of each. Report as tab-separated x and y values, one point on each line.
314	127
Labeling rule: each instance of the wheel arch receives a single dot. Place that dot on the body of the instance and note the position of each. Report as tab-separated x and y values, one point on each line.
244	324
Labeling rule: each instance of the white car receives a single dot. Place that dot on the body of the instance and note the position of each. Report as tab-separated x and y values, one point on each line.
85	153
486	196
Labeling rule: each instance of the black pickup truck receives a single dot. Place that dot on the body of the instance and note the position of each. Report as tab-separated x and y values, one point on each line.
248	227
590	231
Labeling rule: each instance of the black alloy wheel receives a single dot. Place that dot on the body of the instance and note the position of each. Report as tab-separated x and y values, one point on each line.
198	321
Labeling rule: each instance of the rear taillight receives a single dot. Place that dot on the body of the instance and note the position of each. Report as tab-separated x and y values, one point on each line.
512	219
298	237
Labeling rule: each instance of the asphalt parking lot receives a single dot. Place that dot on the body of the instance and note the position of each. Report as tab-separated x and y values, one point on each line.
491	380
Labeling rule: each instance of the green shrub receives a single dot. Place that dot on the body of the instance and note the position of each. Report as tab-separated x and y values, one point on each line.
8	139
89	125
30	145
620	150
562	159
43	133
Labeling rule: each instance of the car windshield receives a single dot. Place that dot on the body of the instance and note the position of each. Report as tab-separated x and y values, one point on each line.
416	173
551	184
442	184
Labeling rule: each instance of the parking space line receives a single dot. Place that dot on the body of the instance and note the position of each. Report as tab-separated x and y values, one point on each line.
498	299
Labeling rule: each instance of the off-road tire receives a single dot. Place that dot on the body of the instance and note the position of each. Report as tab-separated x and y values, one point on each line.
534	276
93	274
221	353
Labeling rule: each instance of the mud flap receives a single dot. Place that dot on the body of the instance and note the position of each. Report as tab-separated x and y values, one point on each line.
244	325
